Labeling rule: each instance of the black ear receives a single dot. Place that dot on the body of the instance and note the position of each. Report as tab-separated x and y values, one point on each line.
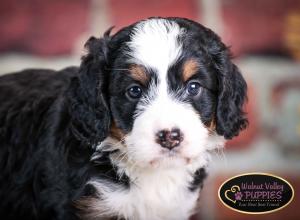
90	115
232	94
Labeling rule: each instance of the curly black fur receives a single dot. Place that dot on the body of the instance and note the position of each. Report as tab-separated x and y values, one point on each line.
50	122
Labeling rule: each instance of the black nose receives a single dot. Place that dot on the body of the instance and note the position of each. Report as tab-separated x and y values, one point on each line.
169	139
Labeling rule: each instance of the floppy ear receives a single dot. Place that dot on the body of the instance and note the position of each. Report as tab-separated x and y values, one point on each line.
232	94
90	115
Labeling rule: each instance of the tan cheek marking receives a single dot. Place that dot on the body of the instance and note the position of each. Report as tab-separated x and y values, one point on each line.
190	68
212	126
139	74
89	209
116	132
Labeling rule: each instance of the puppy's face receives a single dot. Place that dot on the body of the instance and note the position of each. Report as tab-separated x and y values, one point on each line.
173	92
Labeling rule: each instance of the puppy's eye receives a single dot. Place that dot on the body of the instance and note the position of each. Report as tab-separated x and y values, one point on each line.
193	88
134	92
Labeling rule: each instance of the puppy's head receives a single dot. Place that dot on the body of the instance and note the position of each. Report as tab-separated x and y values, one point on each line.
165	88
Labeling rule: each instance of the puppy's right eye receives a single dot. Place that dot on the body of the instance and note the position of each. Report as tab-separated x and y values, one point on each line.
134	92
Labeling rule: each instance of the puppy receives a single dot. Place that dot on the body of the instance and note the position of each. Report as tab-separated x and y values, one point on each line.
128	134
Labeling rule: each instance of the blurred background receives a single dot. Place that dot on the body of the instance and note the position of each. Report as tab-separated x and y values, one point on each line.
264	36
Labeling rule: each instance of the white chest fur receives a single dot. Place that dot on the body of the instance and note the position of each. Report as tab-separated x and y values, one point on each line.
159	195
156	192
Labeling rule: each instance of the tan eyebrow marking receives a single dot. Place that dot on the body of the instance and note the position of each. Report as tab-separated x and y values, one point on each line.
139	73
190	68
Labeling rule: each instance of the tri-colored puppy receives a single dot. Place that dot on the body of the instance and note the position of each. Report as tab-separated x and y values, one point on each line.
128	134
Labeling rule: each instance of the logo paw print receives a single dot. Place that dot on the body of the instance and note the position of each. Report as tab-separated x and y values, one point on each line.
238	196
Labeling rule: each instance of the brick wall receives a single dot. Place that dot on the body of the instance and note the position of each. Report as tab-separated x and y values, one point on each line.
55	27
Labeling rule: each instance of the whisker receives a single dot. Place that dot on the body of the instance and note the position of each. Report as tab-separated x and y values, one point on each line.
219	152
120	155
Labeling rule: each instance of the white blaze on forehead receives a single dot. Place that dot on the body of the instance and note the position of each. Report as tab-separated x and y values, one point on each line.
154	43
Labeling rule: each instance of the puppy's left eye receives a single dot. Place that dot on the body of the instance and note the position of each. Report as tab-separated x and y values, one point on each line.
193	88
